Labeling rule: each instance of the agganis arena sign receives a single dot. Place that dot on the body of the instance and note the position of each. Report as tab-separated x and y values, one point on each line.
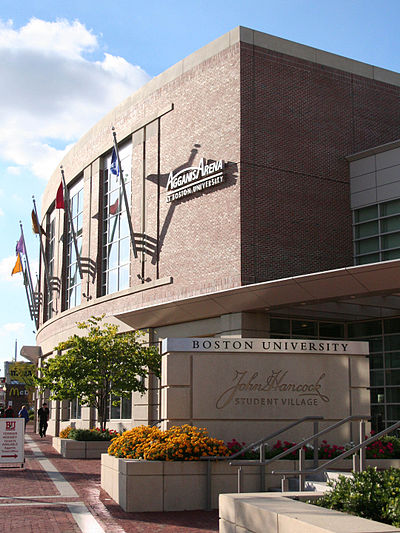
194	179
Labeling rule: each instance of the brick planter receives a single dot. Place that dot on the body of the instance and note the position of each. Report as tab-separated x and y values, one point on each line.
80	449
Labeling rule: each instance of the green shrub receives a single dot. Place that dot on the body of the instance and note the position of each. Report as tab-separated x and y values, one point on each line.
92	434
370	494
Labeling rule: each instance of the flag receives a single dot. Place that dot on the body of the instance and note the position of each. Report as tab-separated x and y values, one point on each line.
114	207
18	266
20	248
114	167
60	197
36	225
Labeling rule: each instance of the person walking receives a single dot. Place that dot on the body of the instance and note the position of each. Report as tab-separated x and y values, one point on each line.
23	413
43	414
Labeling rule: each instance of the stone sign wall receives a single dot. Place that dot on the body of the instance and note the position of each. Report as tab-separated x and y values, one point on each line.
247	388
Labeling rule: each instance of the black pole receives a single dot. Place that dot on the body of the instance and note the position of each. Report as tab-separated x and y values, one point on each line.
127	208
69	216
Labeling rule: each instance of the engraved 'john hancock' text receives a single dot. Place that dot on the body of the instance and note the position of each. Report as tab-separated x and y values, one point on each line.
275	382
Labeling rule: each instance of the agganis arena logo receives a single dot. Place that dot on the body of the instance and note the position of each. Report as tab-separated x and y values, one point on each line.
194	179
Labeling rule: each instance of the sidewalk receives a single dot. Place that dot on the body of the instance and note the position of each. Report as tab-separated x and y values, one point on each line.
57	495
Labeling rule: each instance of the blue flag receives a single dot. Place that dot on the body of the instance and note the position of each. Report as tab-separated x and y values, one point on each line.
114	167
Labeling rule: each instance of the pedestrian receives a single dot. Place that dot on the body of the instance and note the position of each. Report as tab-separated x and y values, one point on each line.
23	413
9	412
43	414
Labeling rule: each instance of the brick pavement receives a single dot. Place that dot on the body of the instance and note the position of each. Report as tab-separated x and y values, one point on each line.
31	503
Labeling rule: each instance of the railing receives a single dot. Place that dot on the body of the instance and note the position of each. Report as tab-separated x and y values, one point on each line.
261	445
358	465
358	462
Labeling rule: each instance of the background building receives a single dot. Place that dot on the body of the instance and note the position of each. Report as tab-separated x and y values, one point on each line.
262	177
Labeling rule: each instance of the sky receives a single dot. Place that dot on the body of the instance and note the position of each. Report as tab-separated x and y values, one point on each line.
64	65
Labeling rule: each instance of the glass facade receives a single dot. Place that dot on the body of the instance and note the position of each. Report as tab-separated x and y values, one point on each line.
73	286
116	237
384	341
377	232
384	344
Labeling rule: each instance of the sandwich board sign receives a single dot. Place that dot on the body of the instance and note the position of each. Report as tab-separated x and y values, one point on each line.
12	441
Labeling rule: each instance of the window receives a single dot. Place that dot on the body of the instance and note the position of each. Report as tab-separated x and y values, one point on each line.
75	409
306	329
384	344
377	233
51	236
122	410
116	237
73	288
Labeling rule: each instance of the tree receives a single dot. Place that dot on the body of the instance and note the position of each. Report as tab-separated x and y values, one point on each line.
89	367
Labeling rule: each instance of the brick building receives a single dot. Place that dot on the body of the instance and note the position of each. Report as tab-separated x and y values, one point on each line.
251	167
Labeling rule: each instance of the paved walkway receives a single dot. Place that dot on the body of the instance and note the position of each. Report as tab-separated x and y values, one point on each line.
56	495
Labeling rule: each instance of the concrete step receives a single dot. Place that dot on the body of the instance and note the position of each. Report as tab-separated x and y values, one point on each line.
319	485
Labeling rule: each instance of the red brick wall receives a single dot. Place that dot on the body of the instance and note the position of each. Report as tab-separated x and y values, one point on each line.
200	234
299	121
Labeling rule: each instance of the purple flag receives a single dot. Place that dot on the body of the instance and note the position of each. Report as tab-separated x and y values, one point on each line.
20	248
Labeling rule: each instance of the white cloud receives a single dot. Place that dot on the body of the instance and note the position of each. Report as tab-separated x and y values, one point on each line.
11	327
8	263
54	93
6	266
14	171
1	212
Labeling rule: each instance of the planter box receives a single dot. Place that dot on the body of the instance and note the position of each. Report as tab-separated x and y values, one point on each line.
140	486
80	449
273	513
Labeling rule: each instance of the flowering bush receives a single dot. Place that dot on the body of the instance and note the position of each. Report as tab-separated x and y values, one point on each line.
93	434
65	432
179	443
88	434
234	447
280	447
327	451
385	448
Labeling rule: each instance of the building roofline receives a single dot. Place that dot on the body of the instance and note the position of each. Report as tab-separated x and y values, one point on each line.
375	150
229	39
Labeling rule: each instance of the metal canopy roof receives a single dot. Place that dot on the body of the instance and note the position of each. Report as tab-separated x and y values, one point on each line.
351	293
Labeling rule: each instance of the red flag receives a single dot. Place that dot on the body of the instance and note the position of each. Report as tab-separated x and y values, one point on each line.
114	207
60	197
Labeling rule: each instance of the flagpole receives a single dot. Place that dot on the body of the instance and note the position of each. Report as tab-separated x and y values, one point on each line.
69	216
46	269
127	208
27	297
30	284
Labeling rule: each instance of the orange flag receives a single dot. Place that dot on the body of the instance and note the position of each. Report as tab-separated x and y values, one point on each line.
18	266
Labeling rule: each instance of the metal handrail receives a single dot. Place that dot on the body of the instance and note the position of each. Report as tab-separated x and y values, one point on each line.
299	447
303	442
301	472
345	454
259	443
